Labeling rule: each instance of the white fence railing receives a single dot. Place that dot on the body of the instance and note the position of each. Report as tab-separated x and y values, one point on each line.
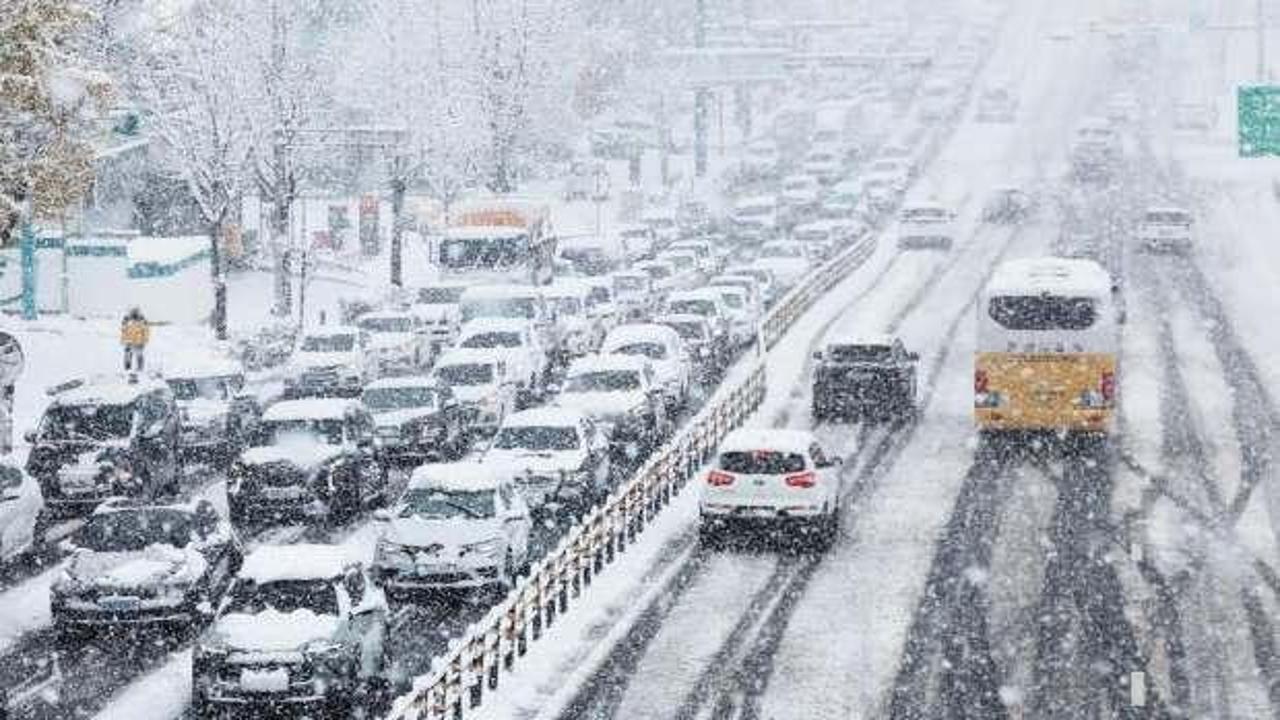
473	667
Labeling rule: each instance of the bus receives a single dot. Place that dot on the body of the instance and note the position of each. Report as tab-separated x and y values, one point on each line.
497	240
1048	347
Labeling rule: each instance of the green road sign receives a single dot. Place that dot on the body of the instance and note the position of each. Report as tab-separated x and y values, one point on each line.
1258	117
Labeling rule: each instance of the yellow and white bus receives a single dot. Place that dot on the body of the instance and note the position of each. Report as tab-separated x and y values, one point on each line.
1048	348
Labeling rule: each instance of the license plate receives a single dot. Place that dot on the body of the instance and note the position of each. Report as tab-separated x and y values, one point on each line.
282	493
435	569
276	680
119	604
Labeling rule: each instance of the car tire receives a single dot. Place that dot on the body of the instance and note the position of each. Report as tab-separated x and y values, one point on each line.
710	536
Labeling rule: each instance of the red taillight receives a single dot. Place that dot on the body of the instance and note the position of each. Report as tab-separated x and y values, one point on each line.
715	478
980	383
1107	386
801	480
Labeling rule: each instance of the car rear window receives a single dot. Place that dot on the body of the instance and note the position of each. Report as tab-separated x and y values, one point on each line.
761	462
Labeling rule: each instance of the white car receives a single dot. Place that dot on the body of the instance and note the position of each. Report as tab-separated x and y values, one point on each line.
688	273
437	308
524	302
636	241
663	223
747	284
326	361
708	263
456	526
755	218
765	281
924	225
937	100
601	306
800	193
786	259
570	299
20	506
515	344
823	165
634	293
1166	229
663	348
663	276
479	381
705	302
557	457
897	170
841	201
742	311
395	343
761	158
772	476
620	393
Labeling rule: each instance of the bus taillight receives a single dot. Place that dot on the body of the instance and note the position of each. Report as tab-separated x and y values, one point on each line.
980	381
1107	386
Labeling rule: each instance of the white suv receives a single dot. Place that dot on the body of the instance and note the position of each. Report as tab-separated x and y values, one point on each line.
774	477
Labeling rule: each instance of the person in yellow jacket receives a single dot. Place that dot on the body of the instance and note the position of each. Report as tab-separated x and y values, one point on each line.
134	334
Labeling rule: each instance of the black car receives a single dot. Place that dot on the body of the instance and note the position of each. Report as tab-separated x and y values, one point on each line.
105	438
871	378
417	419
309	457
217	416
139	565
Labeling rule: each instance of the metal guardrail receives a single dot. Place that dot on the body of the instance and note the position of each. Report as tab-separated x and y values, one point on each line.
473	667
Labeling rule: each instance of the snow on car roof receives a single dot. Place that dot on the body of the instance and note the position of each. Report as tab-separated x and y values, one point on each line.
607	363
304	561
775	439
108	390
543	417
330	331
757	201
308	409
493	324
566	287
640	332
1033	276
867	340
630	274
457	476
470	356
402	381
698	294
201	367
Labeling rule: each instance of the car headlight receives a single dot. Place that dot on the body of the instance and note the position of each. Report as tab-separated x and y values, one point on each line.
486	548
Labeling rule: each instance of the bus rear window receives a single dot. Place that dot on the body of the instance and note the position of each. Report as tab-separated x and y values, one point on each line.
1043	312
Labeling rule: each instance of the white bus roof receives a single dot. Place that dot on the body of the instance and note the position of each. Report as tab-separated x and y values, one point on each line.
1051	275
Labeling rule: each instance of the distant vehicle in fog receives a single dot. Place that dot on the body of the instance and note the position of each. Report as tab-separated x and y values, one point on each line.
1166	229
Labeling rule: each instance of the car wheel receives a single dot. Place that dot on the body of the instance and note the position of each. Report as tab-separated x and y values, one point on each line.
710	536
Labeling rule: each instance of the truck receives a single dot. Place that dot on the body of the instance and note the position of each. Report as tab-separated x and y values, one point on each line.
497	240
871	378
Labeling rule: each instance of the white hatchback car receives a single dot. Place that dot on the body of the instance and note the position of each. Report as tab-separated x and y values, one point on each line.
772	476
20	505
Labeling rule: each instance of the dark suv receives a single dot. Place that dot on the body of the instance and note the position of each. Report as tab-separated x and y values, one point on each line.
105	438
872	377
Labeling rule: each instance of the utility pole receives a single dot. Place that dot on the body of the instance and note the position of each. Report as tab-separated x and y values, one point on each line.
701	96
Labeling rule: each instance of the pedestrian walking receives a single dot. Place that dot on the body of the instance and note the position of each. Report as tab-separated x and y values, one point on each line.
134	334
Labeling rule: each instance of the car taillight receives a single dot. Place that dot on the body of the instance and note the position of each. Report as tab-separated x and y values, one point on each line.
980	382
1107	386
801	480
716	478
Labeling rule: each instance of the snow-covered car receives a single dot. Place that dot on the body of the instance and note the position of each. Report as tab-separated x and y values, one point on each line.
841	201
937	101
694	218
743	314
708	303
1007	206
761	158
709	351
416	418
879	193
20	508
788	260
895	170
457	526
662	221
708	261
662	347
569	300
1095	148
1166	229
662	275
137	564
394	343
585	255
748	285
819	238
586	181
479	380
515	344
557	457
926	225
755	218
217	415
996	104
799	195
102	438
823	165
776	477
600	300
636	240
770	290
514	302
688	273
619	393
316	456
327	361
634	293
304	628
437	308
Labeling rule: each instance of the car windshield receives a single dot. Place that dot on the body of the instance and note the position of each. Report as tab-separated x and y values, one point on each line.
387	324
858	353
399	398
520	307
1027	312
208	388
441	295
287	432
761	462
329	343
603	381
465	374
537	438
86	423
438	504
688	330
133	530
503	339
651	350
692	307
284	596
